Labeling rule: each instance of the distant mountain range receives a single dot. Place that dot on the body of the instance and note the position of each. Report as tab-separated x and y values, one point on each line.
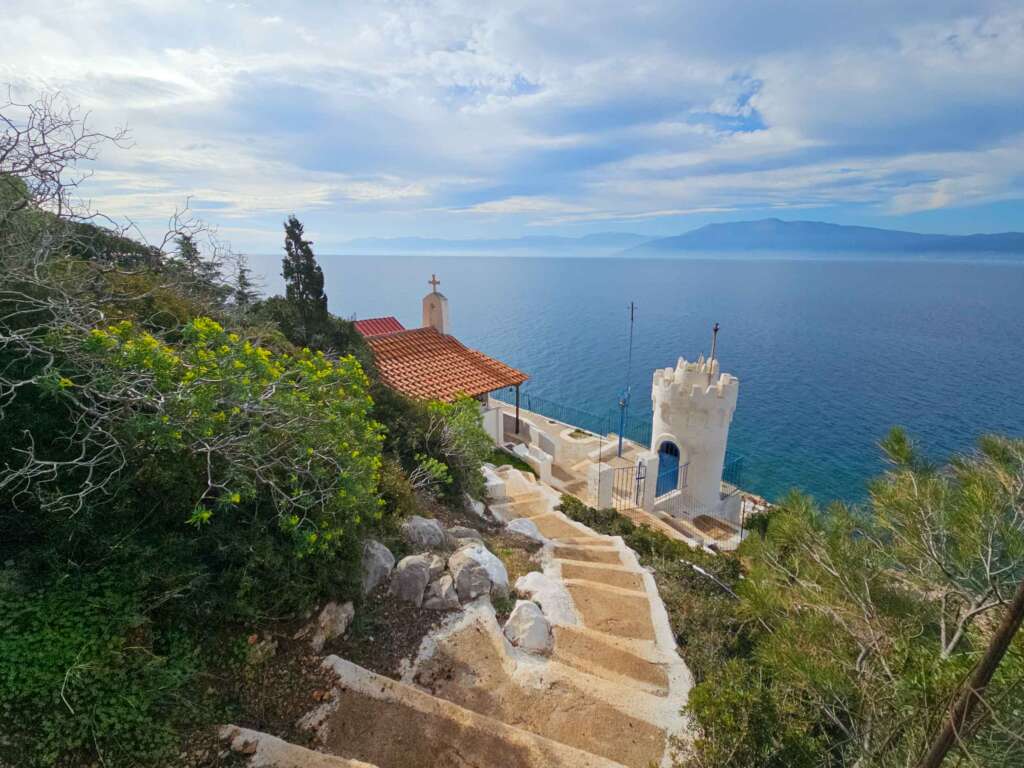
817	236
765	235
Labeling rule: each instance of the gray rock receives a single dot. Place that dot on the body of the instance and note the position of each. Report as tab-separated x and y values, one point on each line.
471	579
436	567
332	622
377	564
412	574
462	532
441	594
423	533
489	562
527	628
526	527
475	507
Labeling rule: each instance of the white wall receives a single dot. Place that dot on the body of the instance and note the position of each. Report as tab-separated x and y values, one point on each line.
693	407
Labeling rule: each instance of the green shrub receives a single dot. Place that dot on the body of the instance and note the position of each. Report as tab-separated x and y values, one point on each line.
500	457
83	673
742	725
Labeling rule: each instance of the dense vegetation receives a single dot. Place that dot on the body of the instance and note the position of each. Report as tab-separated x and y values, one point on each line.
840	637
183	463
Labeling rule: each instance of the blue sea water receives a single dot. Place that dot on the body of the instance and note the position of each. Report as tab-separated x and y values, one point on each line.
829	353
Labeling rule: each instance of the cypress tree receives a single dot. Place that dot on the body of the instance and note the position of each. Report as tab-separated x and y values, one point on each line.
304	281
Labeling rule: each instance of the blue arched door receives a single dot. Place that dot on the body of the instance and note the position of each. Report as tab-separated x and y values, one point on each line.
668	468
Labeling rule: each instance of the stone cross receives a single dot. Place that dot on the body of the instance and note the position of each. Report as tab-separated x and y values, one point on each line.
434	282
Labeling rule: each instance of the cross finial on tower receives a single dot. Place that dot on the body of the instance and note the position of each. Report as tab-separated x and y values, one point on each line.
434	282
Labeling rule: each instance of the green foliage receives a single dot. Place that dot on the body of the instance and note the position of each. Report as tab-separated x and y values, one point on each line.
83	674
441	446
456	436
396	491
304	283
500	457
866	621
287	437
743	725
245	290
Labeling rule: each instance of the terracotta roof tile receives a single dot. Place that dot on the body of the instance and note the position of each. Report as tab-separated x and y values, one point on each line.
375	326
428	365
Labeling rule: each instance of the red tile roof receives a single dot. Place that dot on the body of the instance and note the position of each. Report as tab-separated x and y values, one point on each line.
427	365
375	326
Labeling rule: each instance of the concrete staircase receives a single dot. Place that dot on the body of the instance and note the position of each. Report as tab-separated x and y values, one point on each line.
609	696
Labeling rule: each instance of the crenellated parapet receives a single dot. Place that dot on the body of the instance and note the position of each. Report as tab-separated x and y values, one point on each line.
698	392
693	407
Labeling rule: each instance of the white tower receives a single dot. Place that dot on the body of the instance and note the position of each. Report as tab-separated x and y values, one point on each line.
435	308
693	407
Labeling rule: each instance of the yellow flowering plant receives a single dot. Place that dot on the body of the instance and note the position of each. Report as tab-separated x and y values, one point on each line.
292	431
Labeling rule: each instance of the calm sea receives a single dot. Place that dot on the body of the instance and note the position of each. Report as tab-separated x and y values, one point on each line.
829	353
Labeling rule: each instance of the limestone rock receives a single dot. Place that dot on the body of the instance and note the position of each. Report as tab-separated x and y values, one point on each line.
527	628
441	594
551	594
462	532
377	564
476	508
332	622
436	567
526	527
412	574
423	533
490	563
470	577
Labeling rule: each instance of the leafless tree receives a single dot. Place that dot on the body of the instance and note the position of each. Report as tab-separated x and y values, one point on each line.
65	269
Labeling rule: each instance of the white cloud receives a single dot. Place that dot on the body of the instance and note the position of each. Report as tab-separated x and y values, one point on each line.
534	112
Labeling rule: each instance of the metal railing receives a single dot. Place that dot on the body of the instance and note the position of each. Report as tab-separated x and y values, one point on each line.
635	427
702	523
732	471
567	414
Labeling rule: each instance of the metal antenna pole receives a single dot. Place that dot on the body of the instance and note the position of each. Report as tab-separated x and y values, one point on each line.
714	351
624	400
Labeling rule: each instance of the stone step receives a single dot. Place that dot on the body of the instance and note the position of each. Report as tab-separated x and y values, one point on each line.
555	526
587	554
611	589
594	540
516	508
265	751
616	612
599	654
616	576
473	666
394	725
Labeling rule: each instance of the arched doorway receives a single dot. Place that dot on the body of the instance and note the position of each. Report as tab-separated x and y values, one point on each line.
668	468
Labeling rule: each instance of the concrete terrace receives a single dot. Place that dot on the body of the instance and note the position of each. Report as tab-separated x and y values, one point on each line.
586	465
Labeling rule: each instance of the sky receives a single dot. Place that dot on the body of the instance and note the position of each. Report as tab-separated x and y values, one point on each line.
499	119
